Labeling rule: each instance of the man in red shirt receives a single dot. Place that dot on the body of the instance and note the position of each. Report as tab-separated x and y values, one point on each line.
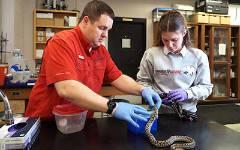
75	65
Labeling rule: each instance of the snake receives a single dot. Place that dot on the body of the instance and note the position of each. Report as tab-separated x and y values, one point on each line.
186	141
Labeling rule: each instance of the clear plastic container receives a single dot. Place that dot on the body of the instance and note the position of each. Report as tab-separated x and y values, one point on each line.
69	118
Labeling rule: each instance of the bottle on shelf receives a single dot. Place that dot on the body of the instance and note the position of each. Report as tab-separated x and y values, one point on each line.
26	74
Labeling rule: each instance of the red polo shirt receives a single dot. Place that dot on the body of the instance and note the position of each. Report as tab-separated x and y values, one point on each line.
67	57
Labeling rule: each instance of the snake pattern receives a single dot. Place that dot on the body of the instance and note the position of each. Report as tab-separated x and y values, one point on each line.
189	143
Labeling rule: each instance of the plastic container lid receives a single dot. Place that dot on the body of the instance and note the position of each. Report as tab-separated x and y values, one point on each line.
67	109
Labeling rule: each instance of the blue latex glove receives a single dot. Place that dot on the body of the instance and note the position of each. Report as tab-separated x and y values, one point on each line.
150	96
177	95
130	113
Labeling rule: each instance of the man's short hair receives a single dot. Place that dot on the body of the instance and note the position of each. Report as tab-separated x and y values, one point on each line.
95	9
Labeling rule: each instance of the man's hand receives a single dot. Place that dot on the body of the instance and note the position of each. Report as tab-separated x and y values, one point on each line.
130	113
178	95
151	97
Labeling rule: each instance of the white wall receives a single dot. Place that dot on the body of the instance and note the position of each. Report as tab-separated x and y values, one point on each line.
24	29
13	23
0	16
19	33
8	22
16	21
28	31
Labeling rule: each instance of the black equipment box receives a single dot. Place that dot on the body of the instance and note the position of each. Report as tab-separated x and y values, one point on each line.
212	6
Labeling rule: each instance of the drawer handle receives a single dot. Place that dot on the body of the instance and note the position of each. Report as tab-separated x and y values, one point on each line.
15	93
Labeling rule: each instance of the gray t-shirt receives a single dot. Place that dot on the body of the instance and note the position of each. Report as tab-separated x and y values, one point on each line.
165	71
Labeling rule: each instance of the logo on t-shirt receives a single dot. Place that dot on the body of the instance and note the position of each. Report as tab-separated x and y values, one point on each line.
188	70
169	72
81	57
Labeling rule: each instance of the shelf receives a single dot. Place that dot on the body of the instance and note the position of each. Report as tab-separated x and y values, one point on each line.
218	97
40	42
47	25
219	78
216	62
233	98
57	11
60	27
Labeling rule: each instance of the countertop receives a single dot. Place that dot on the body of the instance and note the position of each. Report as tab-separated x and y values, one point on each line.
110	133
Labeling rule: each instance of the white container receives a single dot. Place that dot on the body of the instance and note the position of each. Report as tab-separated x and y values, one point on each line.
18	76
69	118
16	60
72	21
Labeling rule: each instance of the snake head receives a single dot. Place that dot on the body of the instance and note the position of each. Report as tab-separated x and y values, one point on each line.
163	95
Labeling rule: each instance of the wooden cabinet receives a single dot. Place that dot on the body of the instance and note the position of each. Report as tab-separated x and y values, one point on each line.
46	23
18	99
221	44
17	106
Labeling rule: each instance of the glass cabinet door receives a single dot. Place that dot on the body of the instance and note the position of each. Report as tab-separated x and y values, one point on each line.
193	32
220	80
220	44
207	41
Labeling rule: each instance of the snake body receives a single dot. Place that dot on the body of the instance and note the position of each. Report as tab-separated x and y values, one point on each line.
189	143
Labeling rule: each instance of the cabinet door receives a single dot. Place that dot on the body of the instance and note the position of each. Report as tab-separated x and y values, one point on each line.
220	44
193	32
17	106
220	80
234	62
219	64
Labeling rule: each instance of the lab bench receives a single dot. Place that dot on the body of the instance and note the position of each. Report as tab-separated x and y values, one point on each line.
113	134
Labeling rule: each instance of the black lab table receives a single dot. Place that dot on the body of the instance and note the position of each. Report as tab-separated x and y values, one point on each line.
112	134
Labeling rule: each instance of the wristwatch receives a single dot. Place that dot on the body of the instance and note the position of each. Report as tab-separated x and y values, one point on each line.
111	105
